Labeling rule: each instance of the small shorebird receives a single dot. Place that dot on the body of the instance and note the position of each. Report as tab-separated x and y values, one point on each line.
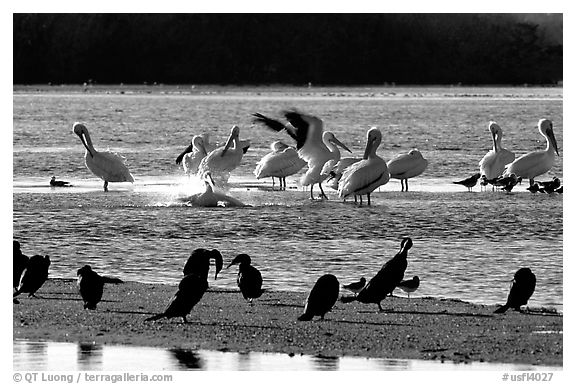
249	278
536	163
322	297
549	186
106	165
507	182
356	286
534	188
33	276
409	286
469	182
59	183
91	286
521	290
388	278
406	166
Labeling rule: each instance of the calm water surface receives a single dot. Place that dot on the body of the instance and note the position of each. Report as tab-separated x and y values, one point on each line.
466	245
52	356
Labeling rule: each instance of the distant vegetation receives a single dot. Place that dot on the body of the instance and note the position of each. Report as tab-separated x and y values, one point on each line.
328	49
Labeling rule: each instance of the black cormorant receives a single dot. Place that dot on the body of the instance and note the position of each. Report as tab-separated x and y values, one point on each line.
249	278
34	275
521	290
322	297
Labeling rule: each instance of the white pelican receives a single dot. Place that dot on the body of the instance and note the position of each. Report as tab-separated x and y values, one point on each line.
106	165
336	172
536	163
223	160
191	157
307	130
493	163
282	162
406	166
211	198
363	177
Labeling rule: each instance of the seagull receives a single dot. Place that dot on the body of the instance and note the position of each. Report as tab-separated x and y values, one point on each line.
493	163
33	276
322	298
106	165
406	166
536	163
469	182
363	177
59	183
356	286
409	286
521	290
91	286
249	278
386	280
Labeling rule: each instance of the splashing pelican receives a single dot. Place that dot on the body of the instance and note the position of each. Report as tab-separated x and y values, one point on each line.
363	177
493	163
223	160
210	197
406	166
536	163
106	165
282	162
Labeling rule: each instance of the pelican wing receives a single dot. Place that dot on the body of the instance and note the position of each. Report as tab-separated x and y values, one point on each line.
531	165
363	177
277	126
109	166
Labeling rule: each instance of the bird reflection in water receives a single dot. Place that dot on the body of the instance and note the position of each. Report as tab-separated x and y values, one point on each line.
325	363
187	359
89	355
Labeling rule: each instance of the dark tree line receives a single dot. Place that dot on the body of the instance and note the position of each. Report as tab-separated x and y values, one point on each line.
342	49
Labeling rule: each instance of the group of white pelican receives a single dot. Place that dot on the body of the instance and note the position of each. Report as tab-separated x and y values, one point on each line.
318	149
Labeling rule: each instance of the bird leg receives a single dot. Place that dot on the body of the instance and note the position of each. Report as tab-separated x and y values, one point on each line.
380	309
274	184
105	186
184	319
368	199
406	185
322	194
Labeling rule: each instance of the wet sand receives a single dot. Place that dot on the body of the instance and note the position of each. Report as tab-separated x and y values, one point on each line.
416	328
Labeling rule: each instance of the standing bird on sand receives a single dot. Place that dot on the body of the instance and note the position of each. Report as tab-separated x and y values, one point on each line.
34	275
322	297
549	186
386	280
106	165
406	166
194	284
199	262
521	290
282	162
493	163
91	286
536	163
192	156
409	286
190	290
356	286
249	278
470	182
307	131
364	176
223	160
19	263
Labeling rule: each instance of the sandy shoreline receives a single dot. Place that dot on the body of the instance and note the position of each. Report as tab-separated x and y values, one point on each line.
421	328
